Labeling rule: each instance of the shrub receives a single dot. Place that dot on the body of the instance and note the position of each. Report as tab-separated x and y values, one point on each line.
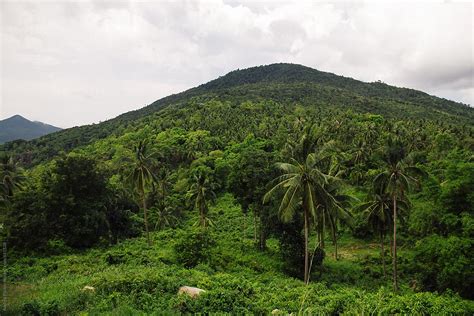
292	249
194	247
444	263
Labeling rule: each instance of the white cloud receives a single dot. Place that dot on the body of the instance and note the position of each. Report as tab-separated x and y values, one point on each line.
71	63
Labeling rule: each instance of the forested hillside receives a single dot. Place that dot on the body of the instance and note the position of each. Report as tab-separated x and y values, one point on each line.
276	189
285	84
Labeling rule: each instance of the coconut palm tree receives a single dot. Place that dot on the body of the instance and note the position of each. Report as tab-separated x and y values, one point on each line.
304	189
159	189
165	217
141	177
377	211
336	210
11	177
199	193
396	181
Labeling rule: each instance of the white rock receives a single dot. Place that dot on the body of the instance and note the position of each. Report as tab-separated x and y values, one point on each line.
191	291
88	288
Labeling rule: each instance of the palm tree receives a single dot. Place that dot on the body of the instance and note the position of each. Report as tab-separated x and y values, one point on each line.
165	217
160	188
199	192
11	177
141	177
377	212
336	210
305	139
304	187
396	181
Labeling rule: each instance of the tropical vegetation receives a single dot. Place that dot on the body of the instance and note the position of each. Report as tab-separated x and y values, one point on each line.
276	189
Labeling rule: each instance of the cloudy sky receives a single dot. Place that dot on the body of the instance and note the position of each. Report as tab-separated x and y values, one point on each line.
77	62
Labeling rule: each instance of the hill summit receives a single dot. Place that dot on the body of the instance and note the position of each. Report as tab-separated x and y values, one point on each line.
284	84
18	127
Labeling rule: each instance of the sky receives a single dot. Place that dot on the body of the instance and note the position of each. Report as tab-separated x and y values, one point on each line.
70	63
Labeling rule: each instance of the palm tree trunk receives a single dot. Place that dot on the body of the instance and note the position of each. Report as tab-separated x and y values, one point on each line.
306	253
334	235
395	281
203	218
255	227
390	241
383	255
145	217
318	229
322	232
263	238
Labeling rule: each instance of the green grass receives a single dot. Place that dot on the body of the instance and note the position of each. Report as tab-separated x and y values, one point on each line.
132	278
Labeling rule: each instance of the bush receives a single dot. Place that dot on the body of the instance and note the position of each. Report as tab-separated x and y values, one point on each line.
292	249
56	247
34	308
71	206
360	228
444	263
194	247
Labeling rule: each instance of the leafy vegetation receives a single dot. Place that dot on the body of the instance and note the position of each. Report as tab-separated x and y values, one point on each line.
271	188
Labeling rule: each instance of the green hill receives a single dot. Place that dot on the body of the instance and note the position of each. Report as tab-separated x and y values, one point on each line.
249	187
285	84
19	128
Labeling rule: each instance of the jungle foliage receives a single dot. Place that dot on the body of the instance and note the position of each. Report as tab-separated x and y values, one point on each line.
250	186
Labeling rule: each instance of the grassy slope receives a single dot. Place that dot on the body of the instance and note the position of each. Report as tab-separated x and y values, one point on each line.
131	278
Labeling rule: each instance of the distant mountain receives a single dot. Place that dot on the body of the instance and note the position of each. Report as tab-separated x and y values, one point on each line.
18	127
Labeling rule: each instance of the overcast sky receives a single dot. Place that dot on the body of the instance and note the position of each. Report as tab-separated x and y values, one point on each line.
70	63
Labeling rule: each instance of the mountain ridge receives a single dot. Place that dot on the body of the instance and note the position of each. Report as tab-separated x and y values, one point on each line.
18	127
293	73
282	83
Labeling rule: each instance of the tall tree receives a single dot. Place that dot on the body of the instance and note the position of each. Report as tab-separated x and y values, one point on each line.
164	212
377	211
335	211
199	193
251	169
68	202
304	189
142	176
396	181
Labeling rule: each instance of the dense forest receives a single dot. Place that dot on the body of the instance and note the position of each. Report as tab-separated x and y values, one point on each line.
276	189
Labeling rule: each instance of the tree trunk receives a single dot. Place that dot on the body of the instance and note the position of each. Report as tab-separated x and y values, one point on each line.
316	245
318	229
245	225
322	231
395	281
383	255
262	231
203	218
306	253
263	238
390	238
255	227
145	217
334	235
